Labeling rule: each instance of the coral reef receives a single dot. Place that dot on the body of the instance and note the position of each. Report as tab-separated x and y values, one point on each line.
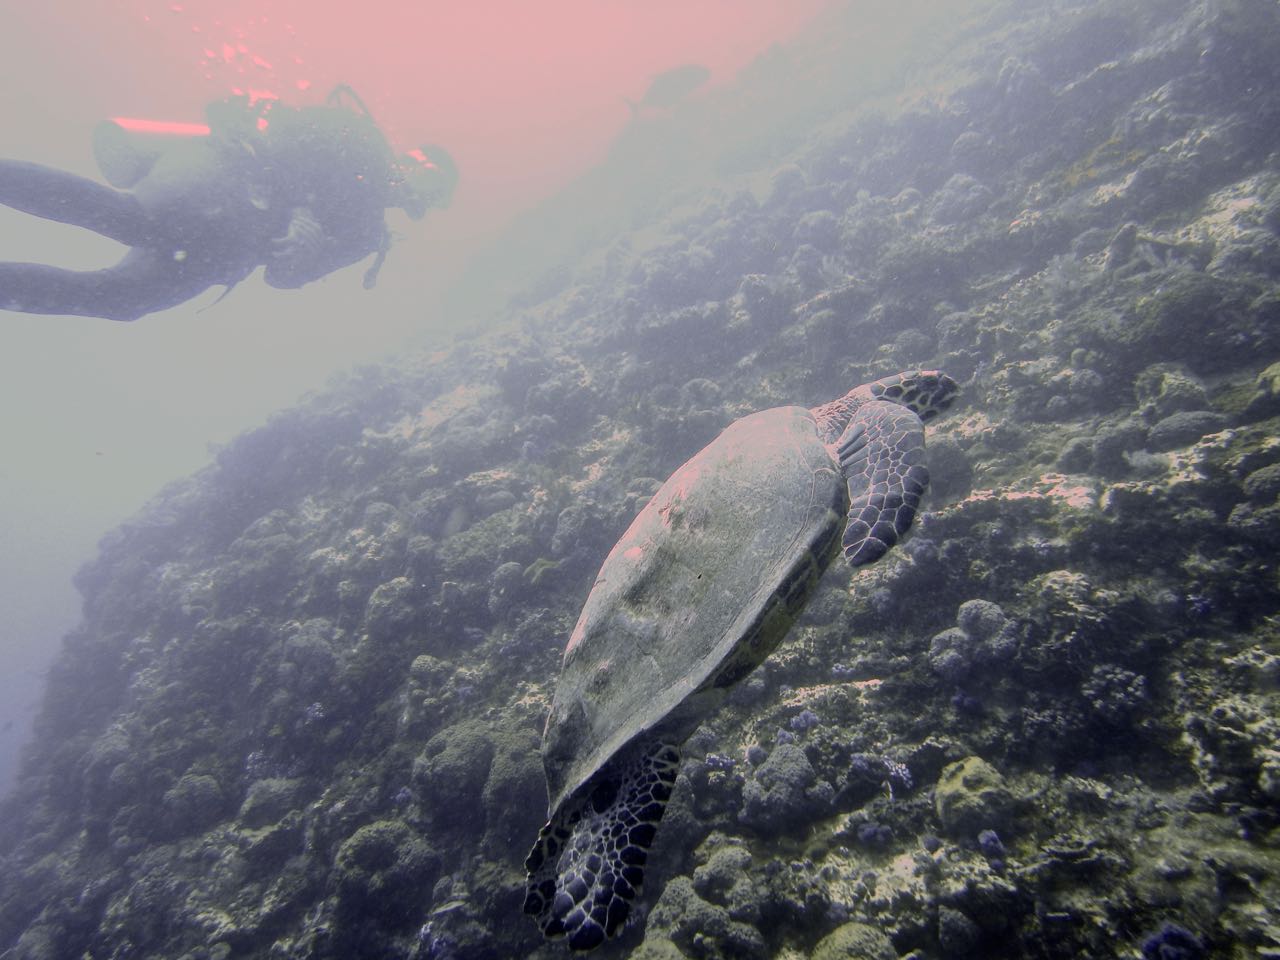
301	717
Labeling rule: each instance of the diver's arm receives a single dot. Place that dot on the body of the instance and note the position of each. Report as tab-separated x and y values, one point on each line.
307	251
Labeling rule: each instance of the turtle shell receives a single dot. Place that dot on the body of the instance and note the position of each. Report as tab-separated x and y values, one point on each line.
699	590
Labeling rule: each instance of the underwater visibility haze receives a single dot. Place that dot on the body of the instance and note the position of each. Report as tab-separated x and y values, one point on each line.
98	416
325	693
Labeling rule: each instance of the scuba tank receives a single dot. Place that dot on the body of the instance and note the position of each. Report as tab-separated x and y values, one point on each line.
126	148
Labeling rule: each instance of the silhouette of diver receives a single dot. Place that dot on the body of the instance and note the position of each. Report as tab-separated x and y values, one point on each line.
300	190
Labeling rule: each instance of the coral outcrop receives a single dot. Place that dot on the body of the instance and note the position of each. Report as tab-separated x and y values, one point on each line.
301	716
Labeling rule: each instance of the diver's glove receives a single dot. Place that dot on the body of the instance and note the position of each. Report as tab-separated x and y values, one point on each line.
300	255
303	239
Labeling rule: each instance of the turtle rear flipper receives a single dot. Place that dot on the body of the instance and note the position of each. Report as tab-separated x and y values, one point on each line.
588	862
882	456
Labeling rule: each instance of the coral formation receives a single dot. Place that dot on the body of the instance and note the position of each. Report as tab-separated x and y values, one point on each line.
301	716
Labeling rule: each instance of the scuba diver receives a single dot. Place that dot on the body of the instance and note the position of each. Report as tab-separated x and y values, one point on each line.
301	191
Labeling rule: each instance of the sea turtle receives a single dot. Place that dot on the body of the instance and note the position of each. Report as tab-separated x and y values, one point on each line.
699	590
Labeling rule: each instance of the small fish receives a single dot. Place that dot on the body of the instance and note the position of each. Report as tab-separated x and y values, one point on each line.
670	87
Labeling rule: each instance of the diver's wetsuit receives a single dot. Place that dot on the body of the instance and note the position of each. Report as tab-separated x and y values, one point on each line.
207	213
333	166
189	225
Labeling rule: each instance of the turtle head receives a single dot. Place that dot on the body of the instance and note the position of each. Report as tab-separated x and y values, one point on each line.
926	393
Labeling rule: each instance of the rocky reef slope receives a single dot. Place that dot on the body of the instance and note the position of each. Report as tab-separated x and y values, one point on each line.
301	716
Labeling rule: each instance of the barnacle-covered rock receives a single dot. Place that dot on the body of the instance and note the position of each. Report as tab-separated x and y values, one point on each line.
726	879
854	941
983	635
194	803
1234	746
971	795
700	929
1190	307
1168	388
309	657
657	948
784	791
1184	428
452	770
981	619
392	609
514	776
961	198
269	800
379	870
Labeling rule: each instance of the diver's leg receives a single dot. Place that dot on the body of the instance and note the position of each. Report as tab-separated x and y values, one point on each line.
143	282
69	198
36	288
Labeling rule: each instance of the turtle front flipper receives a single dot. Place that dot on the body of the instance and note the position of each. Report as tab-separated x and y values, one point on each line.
588	862
882	455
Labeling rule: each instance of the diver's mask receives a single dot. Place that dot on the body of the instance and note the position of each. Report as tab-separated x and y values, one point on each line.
427	178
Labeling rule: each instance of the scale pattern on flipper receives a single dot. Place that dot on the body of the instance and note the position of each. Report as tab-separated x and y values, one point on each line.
882	454
588	862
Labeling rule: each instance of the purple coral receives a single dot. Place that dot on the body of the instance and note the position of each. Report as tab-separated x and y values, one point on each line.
804	720
718	761
874	836
868	766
